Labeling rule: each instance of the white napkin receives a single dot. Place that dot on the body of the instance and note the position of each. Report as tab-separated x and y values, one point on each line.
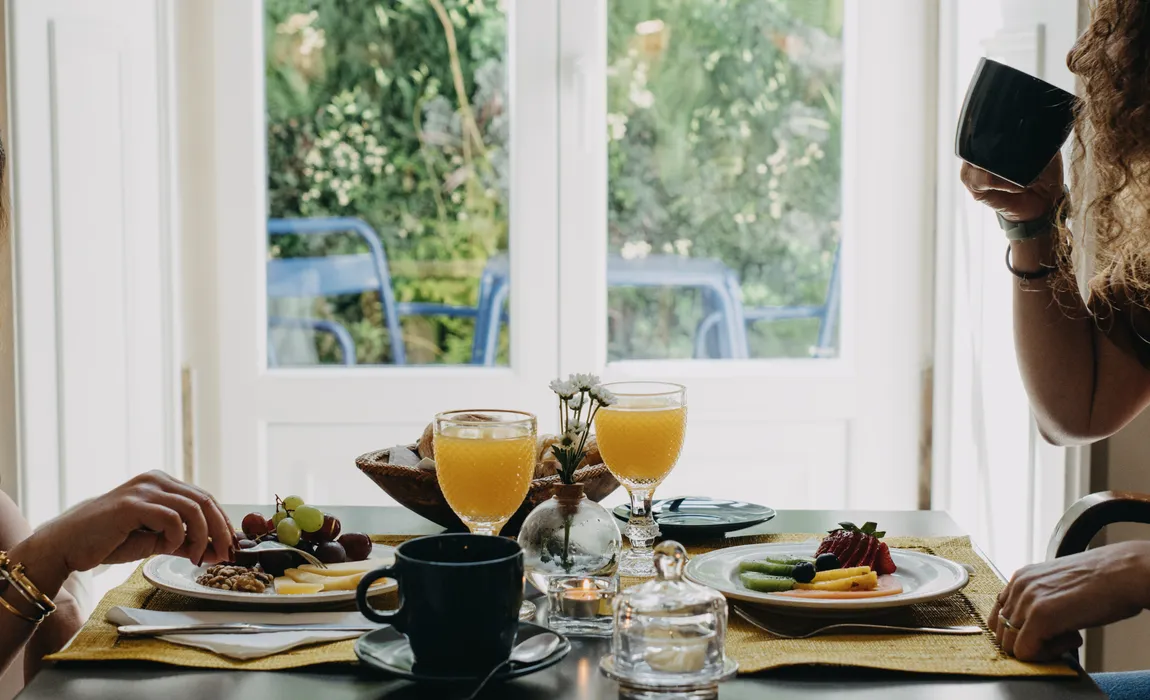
242	646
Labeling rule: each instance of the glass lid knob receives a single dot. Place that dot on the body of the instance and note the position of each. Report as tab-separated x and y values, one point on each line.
670	558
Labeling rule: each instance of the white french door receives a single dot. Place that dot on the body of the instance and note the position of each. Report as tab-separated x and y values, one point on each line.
786	430
298	430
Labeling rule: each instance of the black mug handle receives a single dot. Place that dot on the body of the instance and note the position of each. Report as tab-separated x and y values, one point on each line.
391	617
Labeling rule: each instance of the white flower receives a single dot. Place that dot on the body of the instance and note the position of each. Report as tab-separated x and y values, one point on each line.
583	382
567	440
575	402
603	396
565	389
576	427
635	249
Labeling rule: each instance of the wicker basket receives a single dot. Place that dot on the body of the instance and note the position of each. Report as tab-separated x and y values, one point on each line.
418	489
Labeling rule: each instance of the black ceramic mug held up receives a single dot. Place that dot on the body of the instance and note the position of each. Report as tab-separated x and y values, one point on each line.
1012	124
459	598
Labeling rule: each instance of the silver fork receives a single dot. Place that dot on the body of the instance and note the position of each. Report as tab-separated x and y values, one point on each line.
861	626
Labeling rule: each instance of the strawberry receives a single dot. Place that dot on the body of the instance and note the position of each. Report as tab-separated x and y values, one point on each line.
884	564
855	546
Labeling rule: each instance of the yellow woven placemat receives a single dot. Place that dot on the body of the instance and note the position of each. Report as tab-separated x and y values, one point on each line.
98	640
754	650
975	655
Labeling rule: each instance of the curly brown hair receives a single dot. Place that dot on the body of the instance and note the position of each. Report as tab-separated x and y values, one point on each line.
1111	159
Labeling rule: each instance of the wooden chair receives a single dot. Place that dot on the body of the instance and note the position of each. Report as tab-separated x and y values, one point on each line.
1089	515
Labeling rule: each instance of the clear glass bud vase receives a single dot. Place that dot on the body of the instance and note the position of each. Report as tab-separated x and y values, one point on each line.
569	535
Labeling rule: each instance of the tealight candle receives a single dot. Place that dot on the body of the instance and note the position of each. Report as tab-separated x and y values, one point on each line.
581	602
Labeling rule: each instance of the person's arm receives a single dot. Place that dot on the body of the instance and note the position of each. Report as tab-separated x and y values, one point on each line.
1081	371
151	514
1039	613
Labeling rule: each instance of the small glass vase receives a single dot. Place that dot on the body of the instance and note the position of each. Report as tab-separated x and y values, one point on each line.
570	536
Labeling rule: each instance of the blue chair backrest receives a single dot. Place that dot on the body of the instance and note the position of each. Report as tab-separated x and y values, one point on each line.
336	274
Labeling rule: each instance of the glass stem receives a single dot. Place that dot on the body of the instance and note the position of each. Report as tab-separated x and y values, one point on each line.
641	528
484	529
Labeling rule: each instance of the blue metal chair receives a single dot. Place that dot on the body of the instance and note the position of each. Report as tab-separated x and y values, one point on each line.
333	275
827	313
720	286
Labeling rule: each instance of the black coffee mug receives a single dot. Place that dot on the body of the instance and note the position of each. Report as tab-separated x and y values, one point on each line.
1012	124
459	598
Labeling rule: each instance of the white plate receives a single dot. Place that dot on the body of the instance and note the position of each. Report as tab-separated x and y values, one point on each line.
923	577
178	575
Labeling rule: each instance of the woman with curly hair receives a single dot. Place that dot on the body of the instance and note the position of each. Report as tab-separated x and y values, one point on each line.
1082	315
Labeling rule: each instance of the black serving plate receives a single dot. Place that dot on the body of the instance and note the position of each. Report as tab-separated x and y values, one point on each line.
693	516
387	650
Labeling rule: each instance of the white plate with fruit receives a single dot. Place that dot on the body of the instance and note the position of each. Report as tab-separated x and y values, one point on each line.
284	576
851	570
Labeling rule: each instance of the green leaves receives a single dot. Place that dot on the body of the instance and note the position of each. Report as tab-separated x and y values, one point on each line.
868	528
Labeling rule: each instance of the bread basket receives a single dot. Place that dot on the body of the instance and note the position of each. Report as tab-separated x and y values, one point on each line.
418	489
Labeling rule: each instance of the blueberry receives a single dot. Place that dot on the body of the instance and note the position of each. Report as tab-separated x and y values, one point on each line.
827	561
804	573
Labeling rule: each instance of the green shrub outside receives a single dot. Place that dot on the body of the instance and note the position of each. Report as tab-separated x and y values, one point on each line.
724	132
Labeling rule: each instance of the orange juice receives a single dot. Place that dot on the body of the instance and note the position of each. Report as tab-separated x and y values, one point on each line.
484	474
641	444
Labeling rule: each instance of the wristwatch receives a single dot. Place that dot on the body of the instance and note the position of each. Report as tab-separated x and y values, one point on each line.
1025	230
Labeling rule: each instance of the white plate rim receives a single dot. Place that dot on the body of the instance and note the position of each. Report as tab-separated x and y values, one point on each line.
732	592
191	589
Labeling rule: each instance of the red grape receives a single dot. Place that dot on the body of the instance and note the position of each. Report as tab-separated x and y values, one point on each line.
357	545
328	532
276	561
255	525
246	544
331	553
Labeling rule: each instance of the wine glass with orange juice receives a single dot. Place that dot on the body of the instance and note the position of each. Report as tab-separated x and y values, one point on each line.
640	437
484	460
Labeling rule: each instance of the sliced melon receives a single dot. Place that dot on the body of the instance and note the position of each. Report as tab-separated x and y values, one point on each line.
346	568
286	586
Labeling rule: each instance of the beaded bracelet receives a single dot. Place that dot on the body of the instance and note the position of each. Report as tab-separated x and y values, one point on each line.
13	576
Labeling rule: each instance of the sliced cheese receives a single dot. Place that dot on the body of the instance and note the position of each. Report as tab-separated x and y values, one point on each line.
286	586
346	568
341	583
887	586
304	577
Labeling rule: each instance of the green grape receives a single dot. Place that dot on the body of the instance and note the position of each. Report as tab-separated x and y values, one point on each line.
280	515
288	532
292	502
308	518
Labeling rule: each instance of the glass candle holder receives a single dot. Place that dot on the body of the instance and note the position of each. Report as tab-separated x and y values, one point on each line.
582	605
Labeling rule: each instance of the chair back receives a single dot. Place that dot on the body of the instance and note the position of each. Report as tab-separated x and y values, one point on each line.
336	274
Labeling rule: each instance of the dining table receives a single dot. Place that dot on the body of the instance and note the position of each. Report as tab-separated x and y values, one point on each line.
577	676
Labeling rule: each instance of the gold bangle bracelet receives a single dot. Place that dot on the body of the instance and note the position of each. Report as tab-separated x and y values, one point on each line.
12	609
26	586
14	576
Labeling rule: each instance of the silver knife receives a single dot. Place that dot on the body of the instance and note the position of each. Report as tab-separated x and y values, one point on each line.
235	628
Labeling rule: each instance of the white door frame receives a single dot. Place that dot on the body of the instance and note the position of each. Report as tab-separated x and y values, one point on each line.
887	199
149	308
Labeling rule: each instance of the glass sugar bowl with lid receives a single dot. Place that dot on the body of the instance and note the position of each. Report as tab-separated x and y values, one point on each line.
669	634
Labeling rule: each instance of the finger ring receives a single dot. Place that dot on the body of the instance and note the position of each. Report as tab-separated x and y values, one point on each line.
1008	624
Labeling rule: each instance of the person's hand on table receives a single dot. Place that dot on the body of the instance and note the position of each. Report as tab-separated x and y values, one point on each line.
1013	202
151	514
1038	615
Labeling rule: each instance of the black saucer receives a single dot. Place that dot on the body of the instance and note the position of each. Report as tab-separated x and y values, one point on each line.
693	516
387	650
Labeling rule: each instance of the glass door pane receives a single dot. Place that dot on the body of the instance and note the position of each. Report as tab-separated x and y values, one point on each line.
388	178
724	178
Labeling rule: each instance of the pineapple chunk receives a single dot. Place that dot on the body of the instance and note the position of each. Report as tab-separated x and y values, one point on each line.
286	586
865	582
835	574
346	568
304	577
